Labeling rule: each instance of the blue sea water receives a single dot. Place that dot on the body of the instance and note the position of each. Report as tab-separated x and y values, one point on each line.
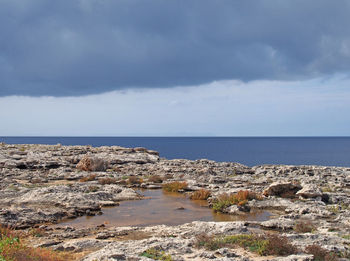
251	151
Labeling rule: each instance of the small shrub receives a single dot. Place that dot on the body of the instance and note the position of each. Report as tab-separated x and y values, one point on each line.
304	227
202	194
260	244
335	209
208	242
155	179
327	189
132	180
37	232
347	237
253	243
22	148
320	254
280	246
240	198
175	186
105	181
345	254
12	249
91	177
156	255
344	206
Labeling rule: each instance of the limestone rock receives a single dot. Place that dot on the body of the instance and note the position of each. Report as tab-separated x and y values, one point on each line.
282	189
88	163
310	191
295	258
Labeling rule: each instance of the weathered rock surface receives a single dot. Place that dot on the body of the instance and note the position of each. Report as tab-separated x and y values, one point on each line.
45	184
282	188
310	191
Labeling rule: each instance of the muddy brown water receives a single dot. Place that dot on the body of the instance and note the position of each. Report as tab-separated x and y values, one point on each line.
160	207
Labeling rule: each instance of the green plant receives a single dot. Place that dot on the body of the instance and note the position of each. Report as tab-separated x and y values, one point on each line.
260	244
156	254
334	209
344	206
175	186
202	194
37	232
12	249
209	242
327	189
253	243
22	148
346	237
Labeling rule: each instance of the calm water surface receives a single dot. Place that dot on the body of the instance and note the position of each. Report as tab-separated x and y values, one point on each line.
160	207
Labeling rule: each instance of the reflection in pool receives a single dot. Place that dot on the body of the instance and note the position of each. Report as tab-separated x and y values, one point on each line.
157	208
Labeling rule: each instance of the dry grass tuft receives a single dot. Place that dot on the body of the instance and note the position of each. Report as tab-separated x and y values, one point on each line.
105	181
132	180
91	177
202	194
240	198
12	249
304	227
320	254
155	179
175	186
261	244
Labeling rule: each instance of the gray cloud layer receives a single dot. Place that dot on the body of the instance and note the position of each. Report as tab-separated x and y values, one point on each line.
72	47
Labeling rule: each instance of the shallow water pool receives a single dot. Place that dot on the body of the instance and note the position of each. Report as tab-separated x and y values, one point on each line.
157	208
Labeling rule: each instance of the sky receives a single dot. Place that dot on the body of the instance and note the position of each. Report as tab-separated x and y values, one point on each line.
174	68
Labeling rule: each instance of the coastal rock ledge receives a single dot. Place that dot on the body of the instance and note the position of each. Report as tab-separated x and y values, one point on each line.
44	185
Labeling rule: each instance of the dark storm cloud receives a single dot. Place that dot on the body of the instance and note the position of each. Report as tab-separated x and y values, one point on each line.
71	47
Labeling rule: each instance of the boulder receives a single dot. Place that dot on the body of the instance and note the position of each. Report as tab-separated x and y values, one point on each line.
237	210
282	189
88	163
310	191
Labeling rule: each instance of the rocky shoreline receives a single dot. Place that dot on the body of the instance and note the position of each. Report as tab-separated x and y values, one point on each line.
45	184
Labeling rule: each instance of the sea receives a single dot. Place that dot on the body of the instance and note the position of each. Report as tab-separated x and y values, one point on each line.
250	151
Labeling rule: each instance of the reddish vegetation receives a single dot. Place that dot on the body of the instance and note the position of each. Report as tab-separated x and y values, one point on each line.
202	194
320	253
175	186
240	198
12	248
91	177
105	181
132	180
